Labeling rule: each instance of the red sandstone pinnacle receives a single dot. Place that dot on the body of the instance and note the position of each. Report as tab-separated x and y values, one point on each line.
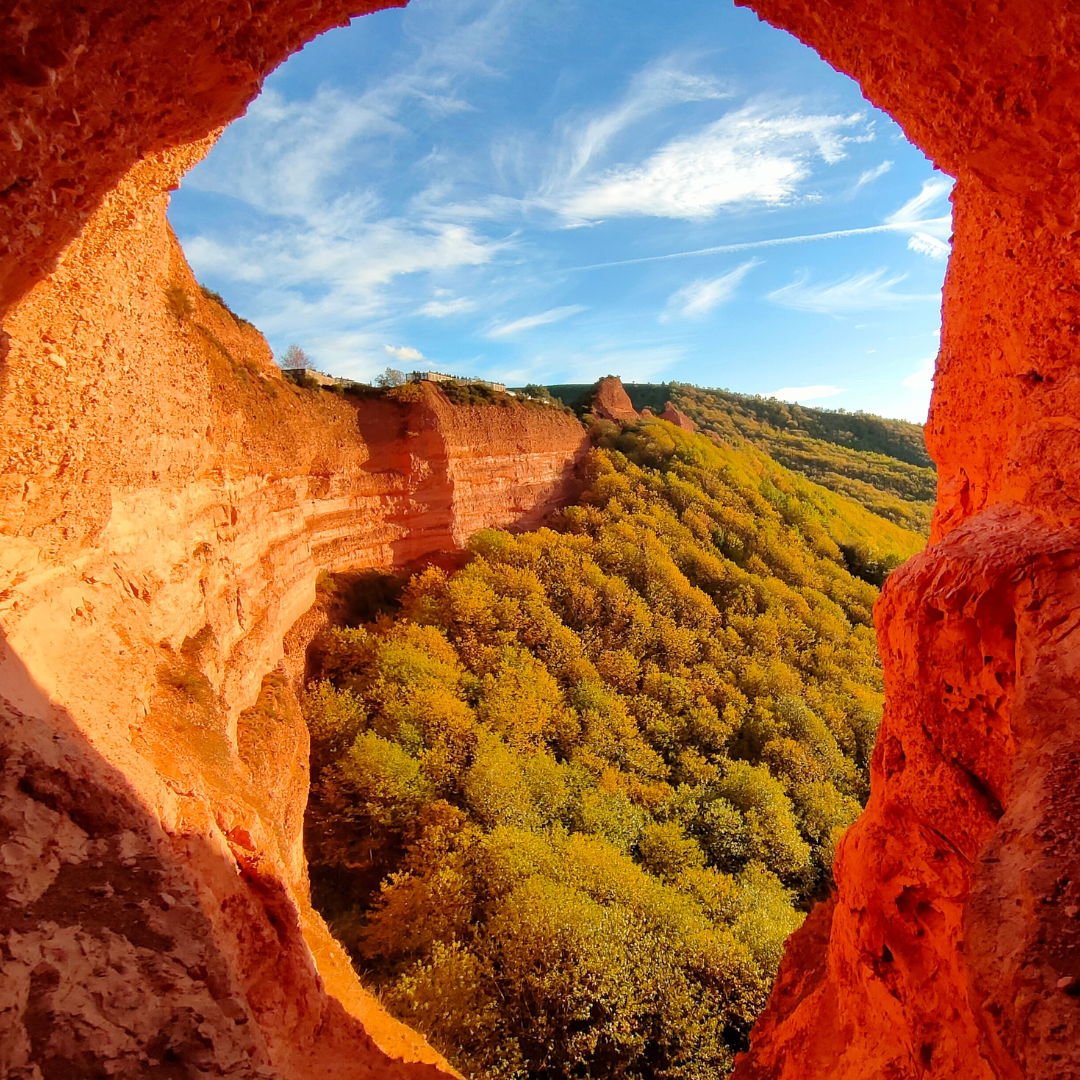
678	418
612	402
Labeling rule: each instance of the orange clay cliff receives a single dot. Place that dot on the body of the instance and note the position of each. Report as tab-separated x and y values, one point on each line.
167	501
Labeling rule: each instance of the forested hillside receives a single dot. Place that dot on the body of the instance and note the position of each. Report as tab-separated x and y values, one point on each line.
570	799
878	462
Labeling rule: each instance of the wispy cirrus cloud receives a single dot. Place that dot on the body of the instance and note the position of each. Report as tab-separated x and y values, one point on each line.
759	153
318	248
544	318
657	87
929	236
931	246
288	151
934	190
339	253
700	297
442	309
866	291
868	176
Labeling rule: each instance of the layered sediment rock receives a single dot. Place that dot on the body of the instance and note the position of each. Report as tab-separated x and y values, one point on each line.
167	501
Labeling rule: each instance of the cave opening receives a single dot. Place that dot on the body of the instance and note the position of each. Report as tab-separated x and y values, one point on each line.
107	457
538	194
116	469
482	189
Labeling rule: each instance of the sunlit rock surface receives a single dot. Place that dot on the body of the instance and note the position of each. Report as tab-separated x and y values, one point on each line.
164	516
611	401
677	417
167	502
952	946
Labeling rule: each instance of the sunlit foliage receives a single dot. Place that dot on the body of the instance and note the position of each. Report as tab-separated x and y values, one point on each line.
572	798
879	462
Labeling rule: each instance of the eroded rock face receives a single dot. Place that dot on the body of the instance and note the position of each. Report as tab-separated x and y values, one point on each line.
167	500
951	947
677	417
88	88
612	402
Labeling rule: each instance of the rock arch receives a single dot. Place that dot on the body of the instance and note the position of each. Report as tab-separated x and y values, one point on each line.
944	952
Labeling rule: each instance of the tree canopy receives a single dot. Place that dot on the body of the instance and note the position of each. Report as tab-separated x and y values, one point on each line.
570	799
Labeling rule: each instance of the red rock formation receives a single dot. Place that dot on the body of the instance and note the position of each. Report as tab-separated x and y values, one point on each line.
166	501
678	418
952	946
612	402
88	88
135	781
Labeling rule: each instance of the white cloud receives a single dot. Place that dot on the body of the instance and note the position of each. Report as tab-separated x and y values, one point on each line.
865	291
281	157
870	175
696	300
933	190
921	384
285	154
335	266
326	251
922	378
752	155
441	309
806	393
542	178
655	88
554	315
928	245
404	352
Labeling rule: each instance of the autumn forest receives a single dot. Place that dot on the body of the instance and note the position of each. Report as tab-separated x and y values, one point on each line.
571	794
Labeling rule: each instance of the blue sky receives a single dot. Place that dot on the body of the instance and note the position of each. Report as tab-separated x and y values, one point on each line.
551	191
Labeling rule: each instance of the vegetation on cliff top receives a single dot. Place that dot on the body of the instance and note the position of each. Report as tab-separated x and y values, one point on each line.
570	799
881	463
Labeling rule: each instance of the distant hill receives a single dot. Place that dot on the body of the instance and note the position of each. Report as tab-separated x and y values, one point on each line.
881	463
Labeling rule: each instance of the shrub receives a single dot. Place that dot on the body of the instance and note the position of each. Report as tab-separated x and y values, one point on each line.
178	302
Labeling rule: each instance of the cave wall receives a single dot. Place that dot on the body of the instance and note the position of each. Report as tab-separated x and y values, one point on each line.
951	947
89	88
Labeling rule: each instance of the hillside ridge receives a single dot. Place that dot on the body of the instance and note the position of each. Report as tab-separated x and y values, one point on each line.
881	463
900	439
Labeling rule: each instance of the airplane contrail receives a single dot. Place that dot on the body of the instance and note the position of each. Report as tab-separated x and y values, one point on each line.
836	234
